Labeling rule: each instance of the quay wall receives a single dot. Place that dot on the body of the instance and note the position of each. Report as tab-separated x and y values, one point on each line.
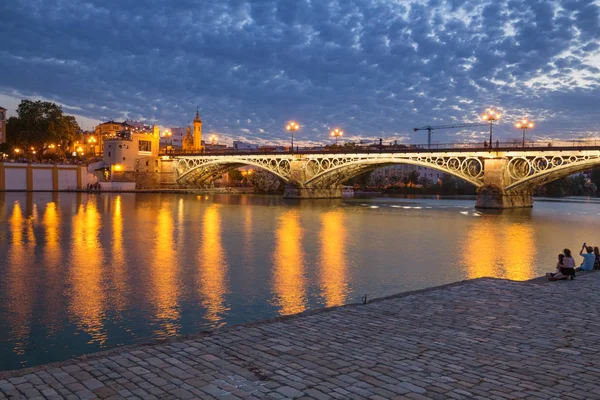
42	177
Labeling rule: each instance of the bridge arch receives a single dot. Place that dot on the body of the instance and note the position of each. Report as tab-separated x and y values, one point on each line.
204	170
531	172
469	169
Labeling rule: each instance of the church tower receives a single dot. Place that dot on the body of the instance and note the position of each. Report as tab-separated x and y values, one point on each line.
197	132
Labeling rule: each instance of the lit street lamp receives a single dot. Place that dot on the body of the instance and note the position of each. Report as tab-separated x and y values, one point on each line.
213	139
336	133
491	116
524	124
292	127
167	136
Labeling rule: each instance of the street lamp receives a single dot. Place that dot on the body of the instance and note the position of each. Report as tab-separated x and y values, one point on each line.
292	127
491	116
213	139
336	133
524	124
167	135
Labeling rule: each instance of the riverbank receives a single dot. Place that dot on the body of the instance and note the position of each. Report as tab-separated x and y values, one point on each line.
485	338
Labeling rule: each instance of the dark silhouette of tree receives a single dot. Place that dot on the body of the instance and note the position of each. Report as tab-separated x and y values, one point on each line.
39	124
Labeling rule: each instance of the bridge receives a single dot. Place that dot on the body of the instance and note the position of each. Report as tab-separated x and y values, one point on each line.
504	176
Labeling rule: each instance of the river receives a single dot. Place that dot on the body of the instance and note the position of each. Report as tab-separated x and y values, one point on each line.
80	273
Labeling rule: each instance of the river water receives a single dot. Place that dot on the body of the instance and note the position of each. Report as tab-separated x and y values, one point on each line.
81	273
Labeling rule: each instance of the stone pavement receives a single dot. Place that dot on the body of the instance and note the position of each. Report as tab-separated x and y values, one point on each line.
486	339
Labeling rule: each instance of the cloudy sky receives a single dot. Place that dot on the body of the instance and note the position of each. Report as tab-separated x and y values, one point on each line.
375	68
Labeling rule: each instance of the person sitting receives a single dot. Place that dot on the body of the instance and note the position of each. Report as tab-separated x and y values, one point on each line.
589	258
597	254
569	261
561	271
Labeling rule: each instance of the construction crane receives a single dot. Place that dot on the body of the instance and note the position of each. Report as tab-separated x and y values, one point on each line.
430	128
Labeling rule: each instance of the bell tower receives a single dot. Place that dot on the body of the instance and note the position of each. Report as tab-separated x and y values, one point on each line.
197	132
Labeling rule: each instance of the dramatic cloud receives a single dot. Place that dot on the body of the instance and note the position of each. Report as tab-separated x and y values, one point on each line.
376	68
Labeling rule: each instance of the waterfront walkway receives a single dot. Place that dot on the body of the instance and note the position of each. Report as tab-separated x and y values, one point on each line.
488	339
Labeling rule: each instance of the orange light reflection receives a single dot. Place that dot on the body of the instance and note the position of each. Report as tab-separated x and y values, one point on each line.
334	280
88	297
213	266
289	282
164	275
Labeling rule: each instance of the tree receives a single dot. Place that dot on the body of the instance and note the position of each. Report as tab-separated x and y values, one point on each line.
413	177
235	175
39	124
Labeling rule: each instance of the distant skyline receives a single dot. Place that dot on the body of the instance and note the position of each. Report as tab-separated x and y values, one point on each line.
375	69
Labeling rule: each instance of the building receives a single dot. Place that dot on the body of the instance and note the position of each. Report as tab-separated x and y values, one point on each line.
197	132
401	171
174	138
129	151
187	143
239	145
2	125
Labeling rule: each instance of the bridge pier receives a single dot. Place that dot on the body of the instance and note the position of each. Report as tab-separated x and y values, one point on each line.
296	191
493	195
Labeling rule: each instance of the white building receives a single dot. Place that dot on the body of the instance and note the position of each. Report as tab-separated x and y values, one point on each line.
239	145
402	171
132	152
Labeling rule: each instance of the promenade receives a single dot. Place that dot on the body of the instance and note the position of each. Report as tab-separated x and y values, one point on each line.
487	339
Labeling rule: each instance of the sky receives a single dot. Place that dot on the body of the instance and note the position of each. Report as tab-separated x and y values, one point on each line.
374	68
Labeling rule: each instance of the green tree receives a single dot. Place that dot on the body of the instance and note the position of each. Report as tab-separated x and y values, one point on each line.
39	124
236	175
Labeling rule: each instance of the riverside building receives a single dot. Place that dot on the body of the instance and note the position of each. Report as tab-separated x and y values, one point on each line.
132	151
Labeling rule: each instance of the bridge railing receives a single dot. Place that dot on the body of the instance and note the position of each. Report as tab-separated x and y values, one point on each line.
539	145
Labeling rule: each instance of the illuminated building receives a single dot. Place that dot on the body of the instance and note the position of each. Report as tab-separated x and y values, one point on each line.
132	151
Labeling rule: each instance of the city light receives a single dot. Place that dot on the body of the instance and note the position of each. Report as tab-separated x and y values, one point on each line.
213	139
292	127
491	115
336	133
524	124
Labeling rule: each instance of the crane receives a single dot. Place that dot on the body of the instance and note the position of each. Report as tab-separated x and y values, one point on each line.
430	128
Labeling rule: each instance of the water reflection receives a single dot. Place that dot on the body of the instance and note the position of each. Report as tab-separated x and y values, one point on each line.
503	250
519	251
118	267
87	258
20	294
333	279
164	274
289	282
52	249
213	267
53	274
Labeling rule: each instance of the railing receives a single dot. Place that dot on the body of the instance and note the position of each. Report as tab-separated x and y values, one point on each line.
539	145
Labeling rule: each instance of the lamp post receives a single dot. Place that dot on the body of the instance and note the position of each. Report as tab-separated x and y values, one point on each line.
292	127
491	116
336	133
167	135
213	139
524	124
92	141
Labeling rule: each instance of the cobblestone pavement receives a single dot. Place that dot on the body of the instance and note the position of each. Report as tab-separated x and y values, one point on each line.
487	339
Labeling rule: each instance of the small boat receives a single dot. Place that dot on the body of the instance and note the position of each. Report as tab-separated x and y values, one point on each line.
347	191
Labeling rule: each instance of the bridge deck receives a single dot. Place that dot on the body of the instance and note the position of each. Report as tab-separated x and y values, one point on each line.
387	150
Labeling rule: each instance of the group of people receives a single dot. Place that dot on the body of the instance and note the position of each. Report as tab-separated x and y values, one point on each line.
565	268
